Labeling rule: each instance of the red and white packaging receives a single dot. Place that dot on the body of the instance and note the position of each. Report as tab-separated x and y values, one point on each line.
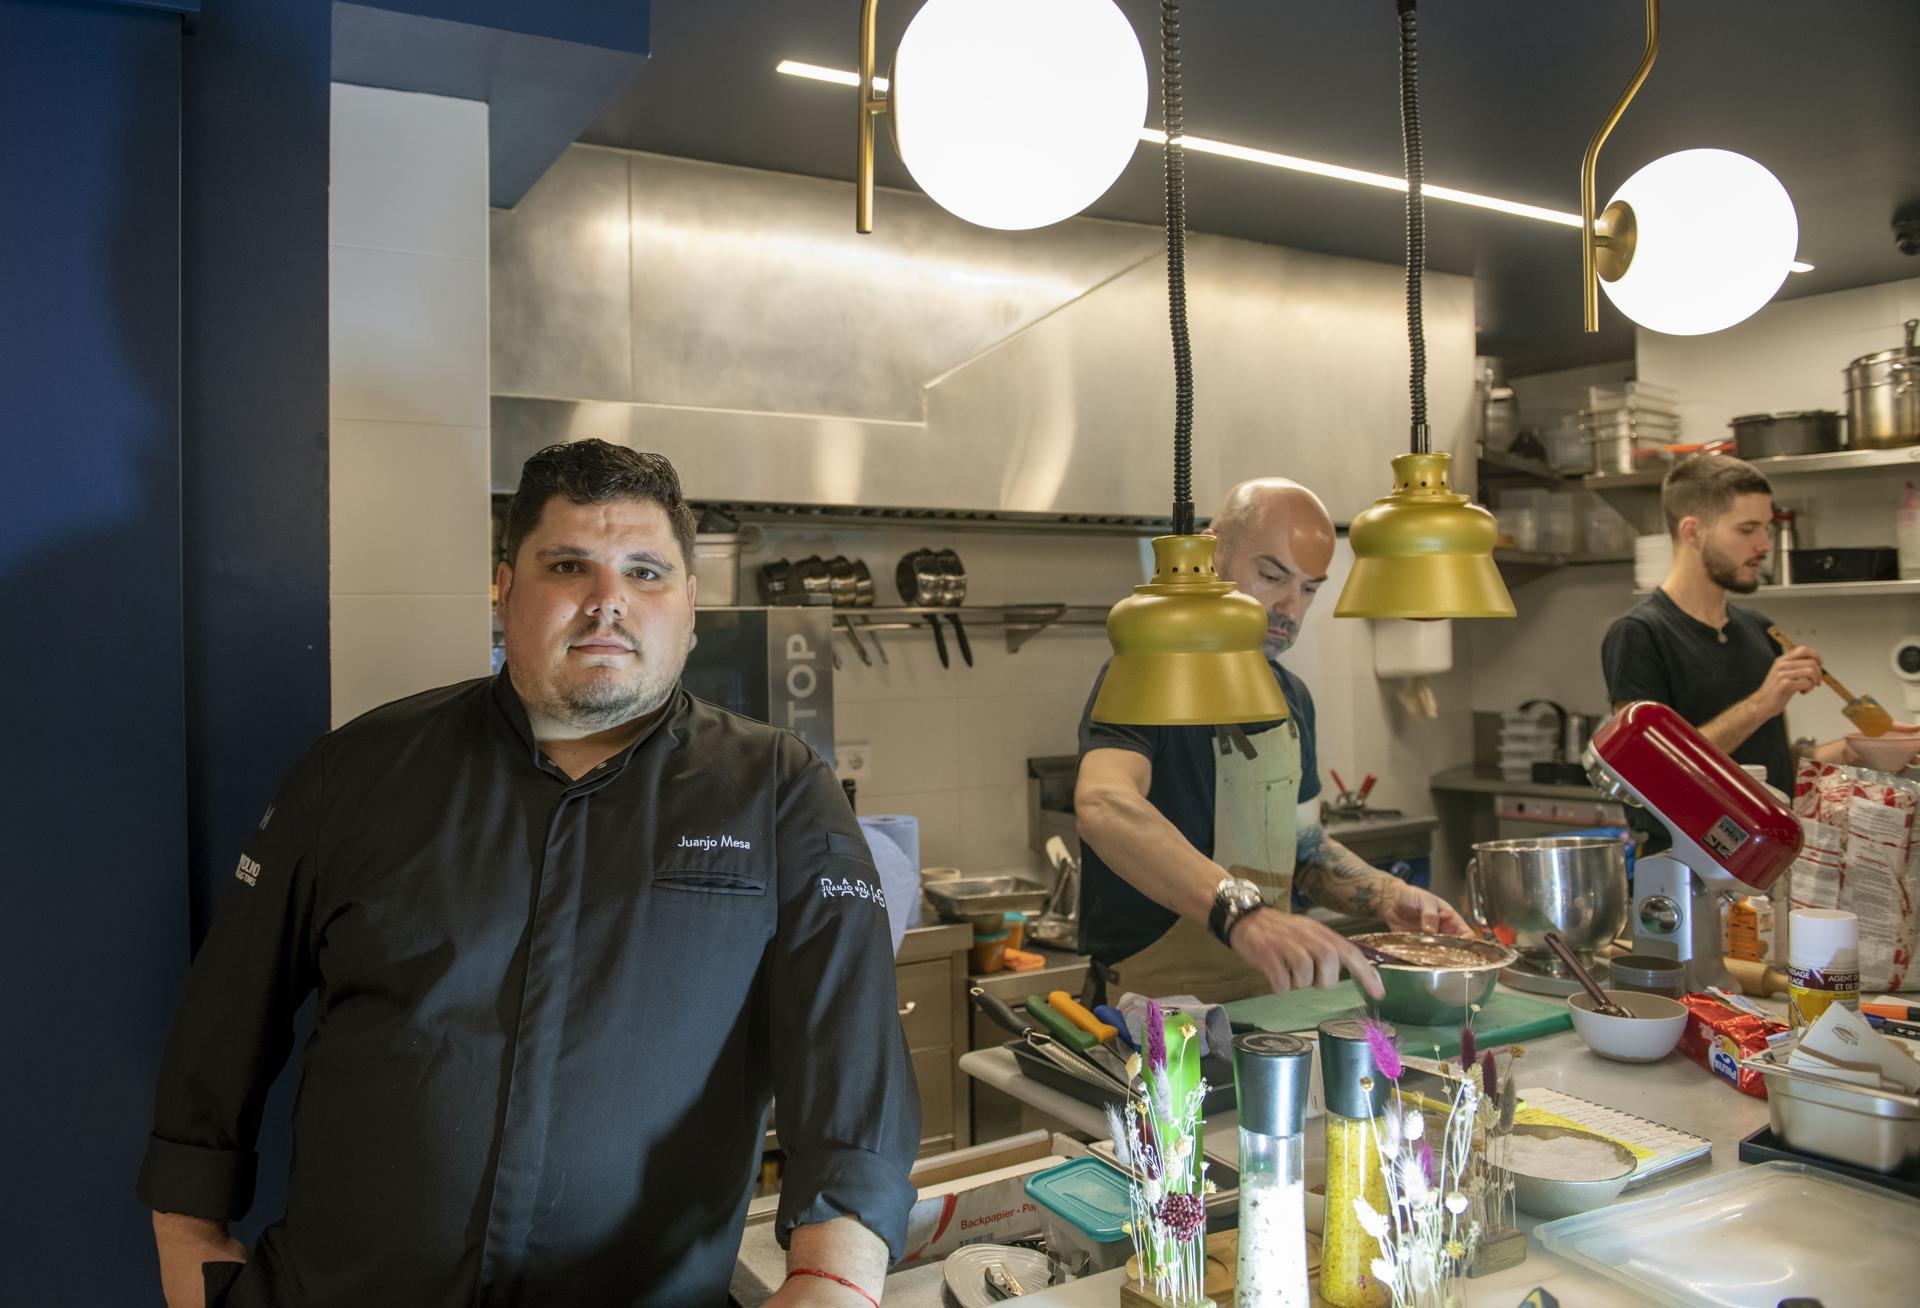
1859	854
989	1208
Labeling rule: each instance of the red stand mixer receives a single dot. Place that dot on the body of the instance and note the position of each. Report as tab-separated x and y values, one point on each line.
1730	835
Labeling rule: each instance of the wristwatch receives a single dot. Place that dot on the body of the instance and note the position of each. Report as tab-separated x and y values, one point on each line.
1233	899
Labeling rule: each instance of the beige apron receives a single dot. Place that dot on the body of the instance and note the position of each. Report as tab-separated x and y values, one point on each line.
1256	807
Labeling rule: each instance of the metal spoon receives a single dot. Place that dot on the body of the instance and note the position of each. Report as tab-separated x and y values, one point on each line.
1601	1004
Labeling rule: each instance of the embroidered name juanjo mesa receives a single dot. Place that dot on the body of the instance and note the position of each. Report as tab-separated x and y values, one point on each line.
714	842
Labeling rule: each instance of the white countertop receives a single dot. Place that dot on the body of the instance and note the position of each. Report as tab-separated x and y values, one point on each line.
1674	1091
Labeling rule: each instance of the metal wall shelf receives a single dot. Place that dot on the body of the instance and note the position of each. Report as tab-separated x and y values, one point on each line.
1781	465
1832	590
1019	622
1637	494
801	516
1519	567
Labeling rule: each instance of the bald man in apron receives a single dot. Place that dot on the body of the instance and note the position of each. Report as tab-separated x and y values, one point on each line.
1193	838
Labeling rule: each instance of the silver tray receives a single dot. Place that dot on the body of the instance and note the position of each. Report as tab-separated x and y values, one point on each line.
978	896
1872	1128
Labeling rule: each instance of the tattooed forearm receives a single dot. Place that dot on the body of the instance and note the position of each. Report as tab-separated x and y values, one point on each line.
1335	877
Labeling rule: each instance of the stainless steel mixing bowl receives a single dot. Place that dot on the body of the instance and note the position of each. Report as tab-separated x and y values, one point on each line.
1435	996
1576	885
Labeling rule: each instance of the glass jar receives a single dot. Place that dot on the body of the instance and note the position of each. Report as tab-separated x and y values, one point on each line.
1356	1095
1270	1075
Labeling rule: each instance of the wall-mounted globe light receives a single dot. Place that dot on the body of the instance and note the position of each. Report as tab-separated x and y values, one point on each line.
1008	113
1696	242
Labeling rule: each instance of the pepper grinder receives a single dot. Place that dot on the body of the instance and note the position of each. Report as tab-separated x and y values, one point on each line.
1271	1073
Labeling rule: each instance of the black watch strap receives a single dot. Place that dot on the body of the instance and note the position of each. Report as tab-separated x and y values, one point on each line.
1226	914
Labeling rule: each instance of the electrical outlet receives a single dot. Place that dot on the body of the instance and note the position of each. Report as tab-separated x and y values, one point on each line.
853	761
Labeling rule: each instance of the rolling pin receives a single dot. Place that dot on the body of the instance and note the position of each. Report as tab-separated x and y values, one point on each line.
1756	978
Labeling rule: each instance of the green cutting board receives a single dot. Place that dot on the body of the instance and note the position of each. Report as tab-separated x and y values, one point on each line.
1503	1020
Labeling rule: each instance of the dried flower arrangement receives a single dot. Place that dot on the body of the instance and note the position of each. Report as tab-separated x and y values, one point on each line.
1447	1186
1156	1138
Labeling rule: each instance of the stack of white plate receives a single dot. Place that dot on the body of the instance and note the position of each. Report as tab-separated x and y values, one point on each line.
1652	558
1526	739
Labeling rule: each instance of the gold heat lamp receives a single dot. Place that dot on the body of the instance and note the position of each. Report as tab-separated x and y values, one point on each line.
1422	551
1188	649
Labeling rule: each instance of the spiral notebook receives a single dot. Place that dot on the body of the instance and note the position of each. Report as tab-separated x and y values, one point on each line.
1660	1149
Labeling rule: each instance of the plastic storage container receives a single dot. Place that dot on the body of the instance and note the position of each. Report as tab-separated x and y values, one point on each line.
1084	1208
1756	1236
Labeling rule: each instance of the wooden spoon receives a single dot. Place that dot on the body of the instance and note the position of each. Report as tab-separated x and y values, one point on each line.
1601	1004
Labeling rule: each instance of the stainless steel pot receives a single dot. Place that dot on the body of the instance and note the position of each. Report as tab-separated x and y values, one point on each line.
1798	431
1883	396
1576	885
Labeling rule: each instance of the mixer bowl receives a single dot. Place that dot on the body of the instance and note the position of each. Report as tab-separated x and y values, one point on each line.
1576	885
1421	995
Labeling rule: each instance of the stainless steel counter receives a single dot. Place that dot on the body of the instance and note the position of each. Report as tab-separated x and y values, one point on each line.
1484	779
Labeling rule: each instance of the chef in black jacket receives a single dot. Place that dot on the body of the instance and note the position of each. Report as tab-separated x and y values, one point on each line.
1710	661
570	929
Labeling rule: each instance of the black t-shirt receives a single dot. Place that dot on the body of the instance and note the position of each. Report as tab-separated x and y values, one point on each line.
1658	652
1117	921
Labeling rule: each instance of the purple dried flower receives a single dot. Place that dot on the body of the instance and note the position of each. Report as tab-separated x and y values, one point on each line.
1489	1077
1156	1037
1469	1048
1386	1056
1185	1215
1426	1162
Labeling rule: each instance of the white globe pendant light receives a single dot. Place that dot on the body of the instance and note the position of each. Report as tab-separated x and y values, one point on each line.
1713	235
1695	242
1011	113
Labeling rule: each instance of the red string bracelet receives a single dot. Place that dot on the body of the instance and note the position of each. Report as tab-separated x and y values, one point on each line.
829	1276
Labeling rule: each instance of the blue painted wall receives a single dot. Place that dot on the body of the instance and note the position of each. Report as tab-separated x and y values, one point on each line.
163	551
93	783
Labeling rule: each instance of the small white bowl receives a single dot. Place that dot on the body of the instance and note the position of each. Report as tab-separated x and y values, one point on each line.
1646	1037
1889	753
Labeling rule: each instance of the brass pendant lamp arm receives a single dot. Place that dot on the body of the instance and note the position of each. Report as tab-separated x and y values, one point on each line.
871	105
1610	235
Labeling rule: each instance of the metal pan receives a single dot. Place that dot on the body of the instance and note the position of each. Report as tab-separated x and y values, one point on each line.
953	593
920	585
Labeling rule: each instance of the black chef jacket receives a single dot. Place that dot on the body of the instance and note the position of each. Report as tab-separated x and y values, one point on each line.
550	1014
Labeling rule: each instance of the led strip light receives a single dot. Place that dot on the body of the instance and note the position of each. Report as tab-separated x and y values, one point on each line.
1271	159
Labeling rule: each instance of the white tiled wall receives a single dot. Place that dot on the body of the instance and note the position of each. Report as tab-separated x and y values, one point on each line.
949	745
1790	355
409	387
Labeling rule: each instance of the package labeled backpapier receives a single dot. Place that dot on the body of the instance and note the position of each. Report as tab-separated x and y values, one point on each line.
1859	854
